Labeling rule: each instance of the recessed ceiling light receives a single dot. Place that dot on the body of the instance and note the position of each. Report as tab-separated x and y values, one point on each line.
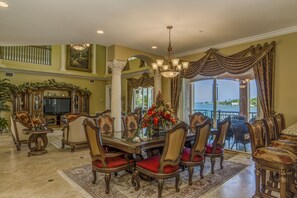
154	47
2	4
201	31
100	32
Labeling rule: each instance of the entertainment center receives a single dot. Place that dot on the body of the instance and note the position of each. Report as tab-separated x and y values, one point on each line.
51	100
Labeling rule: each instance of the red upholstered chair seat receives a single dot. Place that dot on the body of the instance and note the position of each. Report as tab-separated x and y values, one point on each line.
208	149
187	153
112	162
152	164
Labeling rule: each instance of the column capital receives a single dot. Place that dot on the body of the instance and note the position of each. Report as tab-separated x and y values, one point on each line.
116	66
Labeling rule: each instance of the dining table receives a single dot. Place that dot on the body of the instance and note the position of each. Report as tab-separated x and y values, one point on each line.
136	141
291	130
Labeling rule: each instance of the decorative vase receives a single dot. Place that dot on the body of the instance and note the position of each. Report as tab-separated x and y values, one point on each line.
158	130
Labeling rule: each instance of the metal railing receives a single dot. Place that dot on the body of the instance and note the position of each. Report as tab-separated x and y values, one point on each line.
29	54
221	115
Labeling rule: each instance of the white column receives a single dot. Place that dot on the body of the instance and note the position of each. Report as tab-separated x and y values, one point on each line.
63	58
94	65
116	106
157	83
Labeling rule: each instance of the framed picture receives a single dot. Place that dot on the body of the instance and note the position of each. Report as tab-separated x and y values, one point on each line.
79	57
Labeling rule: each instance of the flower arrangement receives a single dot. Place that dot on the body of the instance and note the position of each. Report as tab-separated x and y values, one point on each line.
160	115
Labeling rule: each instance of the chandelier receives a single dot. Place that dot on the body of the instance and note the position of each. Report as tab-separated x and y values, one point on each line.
170	67
79	47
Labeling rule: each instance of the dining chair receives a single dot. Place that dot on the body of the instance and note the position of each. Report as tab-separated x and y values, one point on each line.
166	165
216	148
102	161
105	123
194	119
280	124
275	160
194	156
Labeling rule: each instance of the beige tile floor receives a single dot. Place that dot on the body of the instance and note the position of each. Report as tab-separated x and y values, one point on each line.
37	176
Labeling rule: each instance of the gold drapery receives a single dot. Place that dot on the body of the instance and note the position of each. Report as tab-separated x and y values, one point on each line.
261	58
176	86
144	81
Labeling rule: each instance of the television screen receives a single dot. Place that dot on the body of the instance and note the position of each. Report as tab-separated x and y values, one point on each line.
56	105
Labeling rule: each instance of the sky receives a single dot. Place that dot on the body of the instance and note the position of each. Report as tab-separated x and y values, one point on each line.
227	89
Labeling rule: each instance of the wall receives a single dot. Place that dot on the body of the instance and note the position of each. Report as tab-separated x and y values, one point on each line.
285	96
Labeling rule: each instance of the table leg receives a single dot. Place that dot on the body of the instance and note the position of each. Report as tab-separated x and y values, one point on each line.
37	144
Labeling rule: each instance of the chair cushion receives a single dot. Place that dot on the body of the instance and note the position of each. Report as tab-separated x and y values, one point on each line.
112	162
275	155
284	144
208	149
187	153
152	164
288	137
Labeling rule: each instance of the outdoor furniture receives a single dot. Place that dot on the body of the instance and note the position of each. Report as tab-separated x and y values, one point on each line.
102	161
194	156
166	165
275	160
216	149
240	133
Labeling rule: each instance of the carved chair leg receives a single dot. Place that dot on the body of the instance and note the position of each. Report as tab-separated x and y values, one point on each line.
263	175
160	187
72	148
191	171
201	171
136	179
212	161
94	177
63	145
221	161
107	181
283	183
18	146
177	177
270	181
116	174
258	174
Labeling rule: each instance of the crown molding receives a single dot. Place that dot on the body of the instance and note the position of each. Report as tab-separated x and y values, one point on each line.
53	74
241	41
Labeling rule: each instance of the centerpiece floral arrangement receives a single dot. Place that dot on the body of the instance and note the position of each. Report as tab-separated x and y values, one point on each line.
159	116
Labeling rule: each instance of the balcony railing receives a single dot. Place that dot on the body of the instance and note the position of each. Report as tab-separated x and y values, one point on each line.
221	115
29	54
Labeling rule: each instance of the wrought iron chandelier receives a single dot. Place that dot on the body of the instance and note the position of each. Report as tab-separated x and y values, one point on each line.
170	67
79	47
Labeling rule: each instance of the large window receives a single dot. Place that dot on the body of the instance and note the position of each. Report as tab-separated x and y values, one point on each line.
253	104
143	97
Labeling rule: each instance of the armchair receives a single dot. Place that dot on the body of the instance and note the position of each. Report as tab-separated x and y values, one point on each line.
19	121
102	161
73	131
164	166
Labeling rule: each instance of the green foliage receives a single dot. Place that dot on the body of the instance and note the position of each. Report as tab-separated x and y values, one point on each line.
5	94
3	124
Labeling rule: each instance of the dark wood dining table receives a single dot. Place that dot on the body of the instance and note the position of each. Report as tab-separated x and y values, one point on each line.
136	141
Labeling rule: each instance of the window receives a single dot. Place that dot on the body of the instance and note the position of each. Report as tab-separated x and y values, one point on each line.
143	97
253	103
108	97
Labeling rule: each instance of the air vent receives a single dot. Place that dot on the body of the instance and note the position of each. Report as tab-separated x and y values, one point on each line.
92	81
9	74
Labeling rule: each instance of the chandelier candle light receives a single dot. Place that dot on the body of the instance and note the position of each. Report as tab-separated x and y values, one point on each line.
170	67
79	47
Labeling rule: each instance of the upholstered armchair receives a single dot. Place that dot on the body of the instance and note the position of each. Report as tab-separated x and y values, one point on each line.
73	131
102	161
194	156
216	148
166	165
275	160
19	121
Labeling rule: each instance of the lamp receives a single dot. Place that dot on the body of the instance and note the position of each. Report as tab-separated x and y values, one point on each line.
170	67
79	47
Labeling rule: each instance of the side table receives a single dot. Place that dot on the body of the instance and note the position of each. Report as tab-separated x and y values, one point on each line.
37	141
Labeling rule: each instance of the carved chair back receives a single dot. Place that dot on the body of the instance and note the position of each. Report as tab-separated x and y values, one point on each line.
94	140
174	142
131	121
106	112
196	118
280	123
257	134
222	132
201	138
270	129
105	123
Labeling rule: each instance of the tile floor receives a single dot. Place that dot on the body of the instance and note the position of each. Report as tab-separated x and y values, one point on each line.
37	176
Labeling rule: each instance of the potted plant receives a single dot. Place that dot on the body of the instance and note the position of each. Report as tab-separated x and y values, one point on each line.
5	96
